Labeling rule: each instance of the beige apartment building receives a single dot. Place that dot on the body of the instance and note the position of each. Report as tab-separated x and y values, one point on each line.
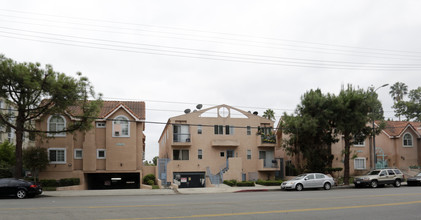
398	145
205	147
7	133
108	156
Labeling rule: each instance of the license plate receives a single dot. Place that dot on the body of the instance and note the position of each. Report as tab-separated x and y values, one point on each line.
358	182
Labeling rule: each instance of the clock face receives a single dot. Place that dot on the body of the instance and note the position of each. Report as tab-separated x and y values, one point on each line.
223	112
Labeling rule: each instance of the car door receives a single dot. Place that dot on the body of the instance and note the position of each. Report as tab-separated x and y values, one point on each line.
3	186
390	176
320	178
309	181
383	177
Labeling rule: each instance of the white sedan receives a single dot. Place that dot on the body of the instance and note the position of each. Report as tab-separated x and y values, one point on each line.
309	180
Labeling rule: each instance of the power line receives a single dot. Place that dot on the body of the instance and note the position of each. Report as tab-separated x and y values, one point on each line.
207	56
201	31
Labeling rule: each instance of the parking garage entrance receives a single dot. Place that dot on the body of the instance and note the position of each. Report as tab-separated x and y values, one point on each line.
190	179
113	180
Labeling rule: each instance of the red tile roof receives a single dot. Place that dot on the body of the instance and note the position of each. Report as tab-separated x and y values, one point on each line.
396	128
135	108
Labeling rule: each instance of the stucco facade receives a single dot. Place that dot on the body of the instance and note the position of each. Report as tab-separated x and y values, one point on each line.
109	155
205	147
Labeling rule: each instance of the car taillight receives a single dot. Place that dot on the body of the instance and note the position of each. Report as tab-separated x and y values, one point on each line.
33	186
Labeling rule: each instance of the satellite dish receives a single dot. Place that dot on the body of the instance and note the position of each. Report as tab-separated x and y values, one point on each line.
187	111
199	106
255	113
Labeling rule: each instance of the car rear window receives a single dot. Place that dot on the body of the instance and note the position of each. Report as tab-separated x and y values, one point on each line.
390	172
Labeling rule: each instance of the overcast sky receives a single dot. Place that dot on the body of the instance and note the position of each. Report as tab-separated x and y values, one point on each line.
253	55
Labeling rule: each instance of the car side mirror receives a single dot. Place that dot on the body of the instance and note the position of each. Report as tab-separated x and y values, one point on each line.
306	178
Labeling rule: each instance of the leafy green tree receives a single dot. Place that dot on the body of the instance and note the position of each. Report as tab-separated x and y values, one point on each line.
310	131
35	159
410	109
155	160
7	155
269	114
37	91
352	118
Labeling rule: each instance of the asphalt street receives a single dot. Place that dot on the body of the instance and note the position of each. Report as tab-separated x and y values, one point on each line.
345	203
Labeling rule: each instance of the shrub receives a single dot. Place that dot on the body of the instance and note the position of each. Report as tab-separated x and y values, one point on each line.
246	183
5	173
147	178
269	182
69	181
155	187
230	182
151	182
49	183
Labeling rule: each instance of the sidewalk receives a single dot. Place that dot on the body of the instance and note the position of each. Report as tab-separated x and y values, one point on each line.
139	192
222	188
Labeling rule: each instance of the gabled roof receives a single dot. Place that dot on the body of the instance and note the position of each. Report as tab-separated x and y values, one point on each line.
136	109
397	128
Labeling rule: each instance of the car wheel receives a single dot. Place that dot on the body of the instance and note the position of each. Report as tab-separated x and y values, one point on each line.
327	186
299	187
21	194
397	183
373	184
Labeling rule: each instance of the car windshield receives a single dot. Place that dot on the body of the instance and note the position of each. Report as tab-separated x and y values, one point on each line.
374	172
299	177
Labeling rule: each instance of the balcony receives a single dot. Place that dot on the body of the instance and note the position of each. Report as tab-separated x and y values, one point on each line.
268	165
181	140
266	140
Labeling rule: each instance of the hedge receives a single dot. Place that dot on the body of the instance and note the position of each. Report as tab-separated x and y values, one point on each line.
246	183
269	182
61	182
147	178
230	182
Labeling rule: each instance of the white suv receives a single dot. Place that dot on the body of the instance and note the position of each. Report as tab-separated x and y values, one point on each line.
381	177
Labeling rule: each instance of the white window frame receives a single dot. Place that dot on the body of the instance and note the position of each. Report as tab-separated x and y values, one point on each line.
75	153
249	154
364	161
403	140
248	130
97	154
57	149
199	154
199	129
128	127
63	134
100	124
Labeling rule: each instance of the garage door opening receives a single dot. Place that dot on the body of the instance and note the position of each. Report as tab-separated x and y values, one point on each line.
113	180
189	180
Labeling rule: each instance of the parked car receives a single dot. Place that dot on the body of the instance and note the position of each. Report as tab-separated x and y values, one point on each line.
376	178
309	180
414	181
19	188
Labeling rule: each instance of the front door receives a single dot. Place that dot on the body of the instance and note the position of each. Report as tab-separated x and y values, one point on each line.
262	155
230	153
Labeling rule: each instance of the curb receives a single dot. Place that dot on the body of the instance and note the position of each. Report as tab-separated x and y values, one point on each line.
251	190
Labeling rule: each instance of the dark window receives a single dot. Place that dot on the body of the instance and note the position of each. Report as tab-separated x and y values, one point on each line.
222	154
199	154
390	172
180	154
219	129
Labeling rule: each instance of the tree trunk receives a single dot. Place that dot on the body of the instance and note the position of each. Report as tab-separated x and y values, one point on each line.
19	143
346	161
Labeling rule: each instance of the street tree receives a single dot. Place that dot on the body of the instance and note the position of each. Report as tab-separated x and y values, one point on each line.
7	159
310	131
410	109
35	159
269	114
353	114
35	91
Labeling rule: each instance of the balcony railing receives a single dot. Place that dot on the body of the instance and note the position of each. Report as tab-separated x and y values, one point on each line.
181	138
268	138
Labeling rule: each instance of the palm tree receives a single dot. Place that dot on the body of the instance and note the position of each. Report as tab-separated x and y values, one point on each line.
398	90
269	114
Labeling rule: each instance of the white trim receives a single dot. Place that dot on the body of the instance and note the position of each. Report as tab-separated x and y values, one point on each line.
63	134
364	163
359	145
57	149
128	129
100	124
403	140
76	157
122	106
97	154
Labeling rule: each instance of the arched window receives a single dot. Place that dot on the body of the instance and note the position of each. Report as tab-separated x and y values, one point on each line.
56	123
121	127
407	140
